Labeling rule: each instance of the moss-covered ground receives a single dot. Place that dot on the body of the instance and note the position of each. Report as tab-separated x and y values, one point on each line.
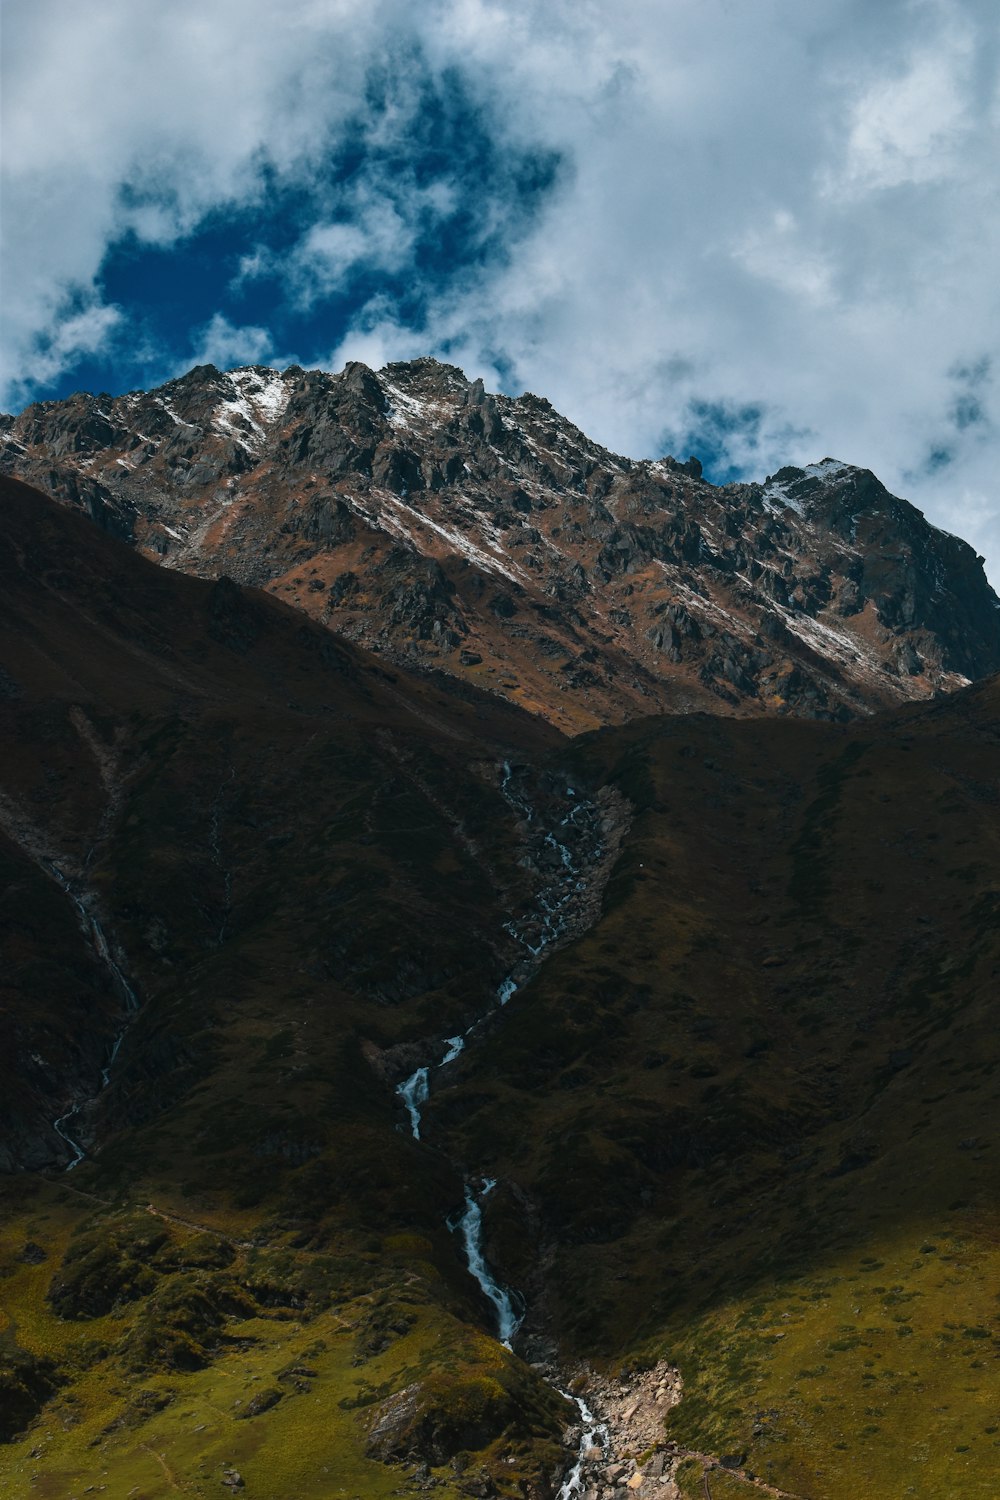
173	1354
156	1424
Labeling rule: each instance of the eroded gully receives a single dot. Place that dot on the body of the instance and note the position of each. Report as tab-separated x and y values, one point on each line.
578	853
625	1416
96	937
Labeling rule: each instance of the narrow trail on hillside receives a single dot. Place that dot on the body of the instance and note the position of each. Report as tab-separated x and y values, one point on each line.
711	1465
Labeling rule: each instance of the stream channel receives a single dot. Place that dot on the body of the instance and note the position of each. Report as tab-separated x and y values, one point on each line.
97	938
538	934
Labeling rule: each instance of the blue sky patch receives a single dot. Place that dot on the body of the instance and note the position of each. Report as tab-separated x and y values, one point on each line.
391	218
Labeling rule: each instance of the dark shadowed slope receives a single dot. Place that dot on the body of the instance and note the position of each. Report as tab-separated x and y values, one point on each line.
298	862
754	1110
742	1123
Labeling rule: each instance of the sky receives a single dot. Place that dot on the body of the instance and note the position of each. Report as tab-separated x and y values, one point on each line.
760	231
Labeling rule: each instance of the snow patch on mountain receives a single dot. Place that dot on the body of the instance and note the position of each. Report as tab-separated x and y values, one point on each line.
404	410
266	390
456	540
777	492
262	396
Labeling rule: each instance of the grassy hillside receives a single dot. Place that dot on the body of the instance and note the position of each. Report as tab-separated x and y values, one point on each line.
744	1123
755	1106
302	861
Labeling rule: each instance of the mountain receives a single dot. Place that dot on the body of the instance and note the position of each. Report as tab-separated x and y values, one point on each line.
752	1108
354	1019
250	874
487	537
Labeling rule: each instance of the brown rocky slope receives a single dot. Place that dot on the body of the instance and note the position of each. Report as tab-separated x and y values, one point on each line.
417	514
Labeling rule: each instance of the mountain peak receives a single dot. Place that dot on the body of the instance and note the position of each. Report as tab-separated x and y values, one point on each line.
414	511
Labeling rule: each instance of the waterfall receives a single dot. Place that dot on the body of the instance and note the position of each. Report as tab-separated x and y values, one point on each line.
414	1092
594	1435
470	1225
74	1145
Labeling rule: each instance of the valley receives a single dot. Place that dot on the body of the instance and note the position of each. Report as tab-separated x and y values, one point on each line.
400	1093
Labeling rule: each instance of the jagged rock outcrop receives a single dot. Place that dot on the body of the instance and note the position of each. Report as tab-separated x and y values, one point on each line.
416	513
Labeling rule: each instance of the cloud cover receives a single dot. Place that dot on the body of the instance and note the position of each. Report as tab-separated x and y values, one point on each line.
762	232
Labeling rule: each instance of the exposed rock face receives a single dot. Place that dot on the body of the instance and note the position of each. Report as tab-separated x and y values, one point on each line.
417	514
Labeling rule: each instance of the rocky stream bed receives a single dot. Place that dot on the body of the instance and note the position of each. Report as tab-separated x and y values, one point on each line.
573	854
618	1444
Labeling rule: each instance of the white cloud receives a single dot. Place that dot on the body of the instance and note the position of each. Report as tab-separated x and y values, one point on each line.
182	104
377	341
375	238
778	252
73	336
223	344
909	128
776	206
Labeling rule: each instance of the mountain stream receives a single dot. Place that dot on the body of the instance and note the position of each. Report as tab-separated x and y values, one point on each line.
560	909
97	938
556	915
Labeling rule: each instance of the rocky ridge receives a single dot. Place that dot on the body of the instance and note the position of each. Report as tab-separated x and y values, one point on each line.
485	536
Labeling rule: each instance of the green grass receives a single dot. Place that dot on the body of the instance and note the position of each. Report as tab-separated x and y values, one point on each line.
135	1408
736	1123
875	1378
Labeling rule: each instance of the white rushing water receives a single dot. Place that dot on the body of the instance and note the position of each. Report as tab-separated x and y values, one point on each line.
456	1044
594	1435
470	1226
59	1127
416	1090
